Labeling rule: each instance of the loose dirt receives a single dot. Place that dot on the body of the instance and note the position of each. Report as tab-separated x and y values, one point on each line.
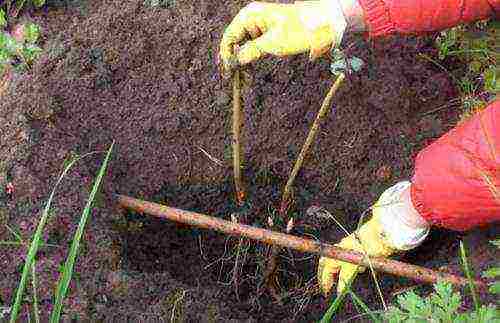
147	78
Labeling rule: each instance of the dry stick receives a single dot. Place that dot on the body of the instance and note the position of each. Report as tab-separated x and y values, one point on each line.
237	122
307	144
389	266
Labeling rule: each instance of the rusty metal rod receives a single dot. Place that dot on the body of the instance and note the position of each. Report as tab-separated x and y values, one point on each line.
389	266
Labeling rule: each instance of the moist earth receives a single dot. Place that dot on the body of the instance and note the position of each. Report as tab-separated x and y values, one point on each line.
147	79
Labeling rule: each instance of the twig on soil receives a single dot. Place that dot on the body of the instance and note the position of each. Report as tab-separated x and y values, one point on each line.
237	122
389	266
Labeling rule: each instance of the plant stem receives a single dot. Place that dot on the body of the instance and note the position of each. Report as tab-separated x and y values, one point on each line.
272	264
67	272
309	140
393	267
36	243
35	297
236	142
470	281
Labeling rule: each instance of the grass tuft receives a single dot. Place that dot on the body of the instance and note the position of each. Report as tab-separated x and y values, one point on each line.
67	273
36	242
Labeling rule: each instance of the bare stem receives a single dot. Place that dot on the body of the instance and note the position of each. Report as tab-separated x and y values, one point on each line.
237	123
389	266
307	144
272	264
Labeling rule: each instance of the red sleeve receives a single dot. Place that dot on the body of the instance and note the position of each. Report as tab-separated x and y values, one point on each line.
456	183
384	17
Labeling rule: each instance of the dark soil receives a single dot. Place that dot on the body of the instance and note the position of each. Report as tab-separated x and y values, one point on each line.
147	79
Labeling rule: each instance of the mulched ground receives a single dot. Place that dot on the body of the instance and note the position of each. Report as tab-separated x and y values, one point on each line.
147	79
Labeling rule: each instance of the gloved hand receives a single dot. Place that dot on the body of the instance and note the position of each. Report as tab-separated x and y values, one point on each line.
395	226
283	29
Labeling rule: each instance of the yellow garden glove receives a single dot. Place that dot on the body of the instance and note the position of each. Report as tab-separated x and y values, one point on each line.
387	232
282	29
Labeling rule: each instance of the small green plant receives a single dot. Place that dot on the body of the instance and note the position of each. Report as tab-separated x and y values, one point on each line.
15	6
19	49
18	42
476	47
441	306
494	272
67	268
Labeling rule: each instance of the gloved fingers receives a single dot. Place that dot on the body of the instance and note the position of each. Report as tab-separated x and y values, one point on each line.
347	272
328	270
255	49
321	41
254	31
247	22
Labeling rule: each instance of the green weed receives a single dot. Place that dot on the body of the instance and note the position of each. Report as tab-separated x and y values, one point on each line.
476	47
494	272
13	7
36	243
18	48
19	53
442	305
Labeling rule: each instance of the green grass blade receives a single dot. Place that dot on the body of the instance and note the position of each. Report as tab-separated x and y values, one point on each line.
14	233
469	277
35	294
34	246
365	307
330	313
372	271
65	278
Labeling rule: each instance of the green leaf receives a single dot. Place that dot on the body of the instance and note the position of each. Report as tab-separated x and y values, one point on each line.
38	3
3	19
31	33
475	66
33	249
346	65
495	288
492	272
485	314
446	41
410	301
5	56
335	305
66	275
31	53
9	44
35	244
492	79
444	301
374	317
